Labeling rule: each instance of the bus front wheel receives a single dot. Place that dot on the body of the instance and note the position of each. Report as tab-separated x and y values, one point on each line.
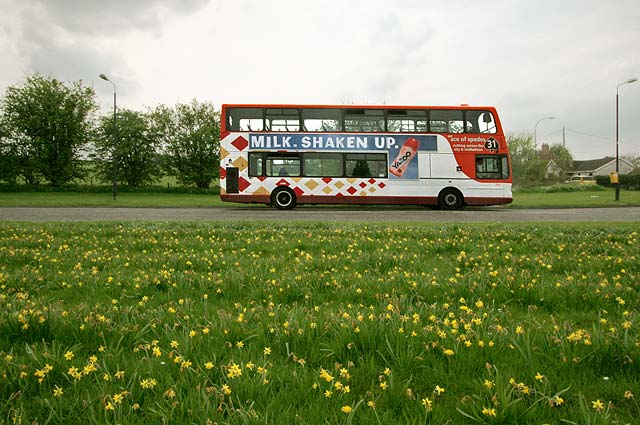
283	198
450	199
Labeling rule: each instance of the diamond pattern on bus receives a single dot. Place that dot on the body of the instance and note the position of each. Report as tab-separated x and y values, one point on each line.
327	180
327	190
381	185
339	185
240	143
261	191
312	184
363	193
243	184
363	185
352	190
241	163
283	182
298	191
223	153
223	173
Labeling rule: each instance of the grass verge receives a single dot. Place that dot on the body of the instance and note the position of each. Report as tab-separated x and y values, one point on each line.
239	323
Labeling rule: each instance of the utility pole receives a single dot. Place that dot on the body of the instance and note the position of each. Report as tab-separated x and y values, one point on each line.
564	138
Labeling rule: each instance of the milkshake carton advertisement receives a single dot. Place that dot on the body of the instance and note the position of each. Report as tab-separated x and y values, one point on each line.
402	150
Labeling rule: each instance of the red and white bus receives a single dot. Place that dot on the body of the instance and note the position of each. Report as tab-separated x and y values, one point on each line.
288	155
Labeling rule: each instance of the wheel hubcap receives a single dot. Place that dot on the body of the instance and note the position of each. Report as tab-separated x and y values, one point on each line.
284	199
450	199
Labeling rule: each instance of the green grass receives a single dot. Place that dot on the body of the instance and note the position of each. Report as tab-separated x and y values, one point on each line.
585	199
69	199
238	323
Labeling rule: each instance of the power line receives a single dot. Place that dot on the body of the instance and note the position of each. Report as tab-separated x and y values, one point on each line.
590	135
553	132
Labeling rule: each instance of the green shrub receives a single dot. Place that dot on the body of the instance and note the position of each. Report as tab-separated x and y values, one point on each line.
627	181
215	190
560	188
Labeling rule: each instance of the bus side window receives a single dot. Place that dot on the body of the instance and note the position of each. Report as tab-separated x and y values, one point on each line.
446	121
327	120
255	164
279	165
282	119
245	119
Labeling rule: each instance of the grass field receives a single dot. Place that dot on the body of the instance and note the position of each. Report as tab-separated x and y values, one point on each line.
355	324
69	199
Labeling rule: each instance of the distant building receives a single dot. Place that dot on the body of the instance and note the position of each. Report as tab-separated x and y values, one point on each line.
588	170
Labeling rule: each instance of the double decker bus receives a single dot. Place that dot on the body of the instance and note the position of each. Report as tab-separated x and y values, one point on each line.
288	155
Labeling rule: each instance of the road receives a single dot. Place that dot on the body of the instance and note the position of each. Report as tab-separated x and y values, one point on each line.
320	214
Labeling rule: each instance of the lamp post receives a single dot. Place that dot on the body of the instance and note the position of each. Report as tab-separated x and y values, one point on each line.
535	133
115	137
630	80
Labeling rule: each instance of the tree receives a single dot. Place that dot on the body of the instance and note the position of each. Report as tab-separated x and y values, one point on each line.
562	157
9	158
47	123
190	136
131	152
527	169
633	160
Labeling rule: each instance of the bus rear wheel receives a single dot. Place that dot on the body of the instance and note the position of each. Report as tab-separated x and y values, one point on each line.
450	199
283	198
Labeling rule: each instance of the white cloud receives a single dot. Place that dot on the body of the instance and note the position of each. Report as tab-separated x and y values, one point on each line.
529	59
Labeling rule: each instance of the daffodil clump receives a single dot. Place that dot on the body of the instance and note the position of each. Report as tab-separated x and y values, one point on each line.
319	323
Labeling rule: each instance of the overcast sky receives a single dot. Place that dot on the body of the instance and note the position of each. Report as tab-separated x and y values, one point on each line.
530	59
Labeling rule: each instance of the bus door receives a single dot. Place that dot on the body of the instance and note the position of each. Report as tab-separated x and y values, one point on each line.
232	179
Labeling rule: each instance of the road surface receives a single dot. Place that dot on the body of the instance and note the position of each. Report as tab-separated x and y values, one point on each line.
320	214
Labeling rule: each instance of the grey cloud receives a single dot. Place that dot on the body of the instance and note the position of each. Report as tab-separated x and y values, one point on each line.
58	37
82	62
91	16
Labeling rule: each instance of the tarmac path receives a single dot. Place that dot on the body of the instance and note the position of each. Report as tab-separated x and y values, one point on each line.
322	214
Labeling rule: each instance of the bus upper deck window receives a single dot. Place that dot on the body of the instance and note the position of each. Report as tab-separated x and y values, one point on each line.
245	119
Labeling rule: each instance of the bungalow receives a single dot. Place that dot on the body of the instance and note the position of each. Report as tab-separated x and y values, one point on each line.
588	170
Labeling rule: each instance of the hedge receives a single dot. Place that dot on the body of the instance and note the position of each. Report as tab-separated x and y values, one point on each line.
627	181
106	189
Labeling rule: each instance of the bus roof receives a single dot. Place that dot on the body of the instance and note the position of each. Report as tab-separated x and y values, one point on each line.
294	106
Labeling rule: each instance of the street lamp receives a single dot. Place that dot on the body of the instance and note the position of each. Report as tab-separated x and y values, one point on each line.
630	80
115	137
535	132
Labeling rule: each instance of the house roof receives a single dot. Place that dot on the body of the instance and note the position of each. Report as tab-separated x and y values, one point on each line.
591	164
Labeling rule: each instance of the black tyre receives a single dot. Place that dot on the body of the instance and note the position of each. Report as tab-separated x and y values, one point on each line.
283	198
450	199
